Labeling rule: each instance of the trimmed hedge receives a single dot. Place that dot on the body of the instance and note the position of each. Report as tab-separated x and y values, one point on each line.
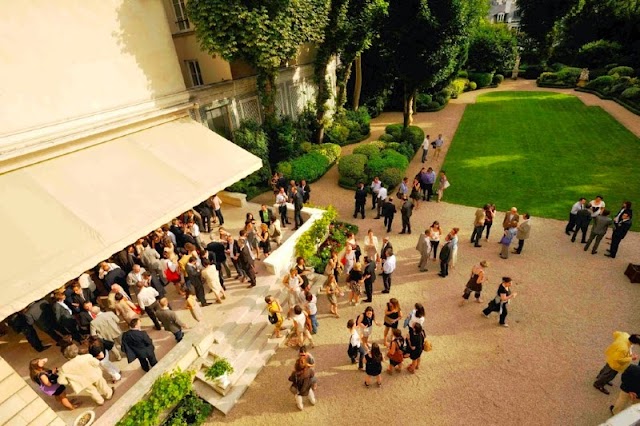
386	160
601	82
482	79
473	85
392	177
311	166
368	149
497	79
349	127
622	71
566	77
252	138
631	93
352	170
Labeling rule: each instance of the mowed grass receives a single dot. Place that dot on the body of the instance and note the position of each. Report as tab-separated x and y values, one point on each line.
540	152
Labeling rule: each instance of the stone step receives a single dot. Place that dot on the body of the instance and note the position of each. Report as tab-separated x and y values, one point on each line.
247	365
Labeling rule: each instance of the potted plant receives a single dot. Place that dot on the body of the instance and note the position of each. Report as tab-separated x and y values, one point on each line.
85	419
219	373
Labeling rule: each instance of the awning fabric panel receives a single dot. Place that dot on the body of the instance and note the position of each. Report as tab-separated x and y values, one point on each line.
63	216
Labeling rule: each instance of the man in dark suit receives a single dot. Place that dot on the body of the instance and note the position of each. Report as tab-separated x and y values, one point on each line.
619	232
64	317
233	253
116	276
282	182
386	244
195	280
247	262
41	315
177	230
306	191
361	200
406	210
20	324
137	344
85	317
388	211
218	257
206	212
369	278
265	214
298	203
445	256
170	320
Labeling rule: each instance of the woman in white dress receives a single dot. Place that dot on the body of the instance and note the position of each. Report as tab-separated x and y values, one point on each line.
349	259
435	238
371	246
211	278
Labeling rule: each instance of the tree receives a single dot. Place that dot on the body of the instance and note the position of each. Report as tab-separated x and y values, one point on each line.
493	47
264	33
348	32
426	41
540	18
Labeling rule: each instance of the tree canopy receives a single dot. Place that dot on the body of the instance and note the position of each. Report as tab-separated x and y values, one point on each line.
264	33
493	47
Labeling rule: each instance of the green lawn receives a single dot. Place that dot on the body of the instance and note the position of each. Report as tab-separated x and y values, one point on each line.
540	152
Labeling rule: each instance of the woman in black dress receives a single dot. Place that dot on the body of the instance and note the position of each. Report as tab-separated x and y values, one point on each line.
415	344
392	317
374	365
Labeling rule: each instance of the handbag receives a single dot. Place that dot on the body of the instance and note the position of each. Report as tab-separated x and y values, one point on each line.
343	261
407	320
293	389
273	318
172	276
505	240
446	184
352	351
399	194
427	347
397	355
137	309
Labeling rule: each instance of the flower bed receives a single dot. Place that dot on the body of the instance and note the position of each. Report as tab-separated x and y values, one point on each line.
326	234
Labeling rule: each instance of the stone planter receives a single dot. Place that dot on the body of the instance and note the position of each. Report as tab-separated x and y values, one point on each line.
222	384
85	419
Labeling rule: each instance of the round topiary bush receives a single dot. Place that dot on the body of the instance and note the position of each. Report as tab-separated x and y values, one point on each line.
386	138
497	79
352	169
434	106
482	79
387	159
392	177
473	85
622	71
368	149
393	145
631	93
394	130
601	82
337	134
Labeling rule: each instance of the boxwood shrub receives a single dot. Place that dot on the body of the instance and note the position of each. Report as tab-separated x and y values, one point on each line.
387	159
337	133
473	85
368	149
601	82
497	79
622	71
329	150
482	79
309	166
392	177
632	93
395	130
352	169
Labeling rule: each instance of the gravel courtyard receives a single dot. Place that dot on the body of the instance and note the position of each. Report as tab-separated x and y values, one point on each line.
539	371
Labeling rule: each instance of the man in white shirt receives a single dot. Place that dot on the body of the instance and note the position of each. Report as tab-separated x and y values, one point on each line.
382	197
356	349
425	148
388	267
597	206
375	187
312	310
574	214
217	202
281	202
194	230
147	300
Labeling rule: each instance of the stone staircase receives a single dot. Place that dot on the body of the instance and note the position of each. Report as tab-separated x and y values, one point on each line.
244	340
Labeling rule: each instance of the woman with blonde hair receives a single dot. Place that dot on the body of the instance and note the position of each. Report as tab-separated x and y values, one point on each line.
125	308
356	280
333	291
392	316
371	246
47	381
349	259
264	240
292	282
416	193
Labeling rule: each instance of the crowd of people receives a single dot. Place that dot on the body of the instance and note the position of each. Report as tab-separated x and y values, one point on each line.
84	318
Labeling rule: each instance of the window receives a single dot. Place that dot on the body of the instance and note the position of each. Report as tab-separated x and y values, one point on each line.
500	17
217	119
181	15
196	75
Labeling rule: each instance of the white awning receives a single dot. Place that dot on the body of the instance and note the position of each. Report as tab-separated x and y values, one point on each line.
63	216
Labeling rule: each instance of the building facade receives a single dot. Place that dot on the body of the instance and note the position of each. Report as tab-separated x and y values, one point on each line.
505	12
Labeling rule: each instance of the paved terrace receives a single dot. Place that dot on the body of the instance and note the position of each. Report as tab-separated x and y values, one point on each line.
17	351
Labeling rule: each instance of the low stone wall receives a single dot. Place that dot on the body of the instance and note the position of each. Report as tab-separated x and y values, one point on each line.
283	258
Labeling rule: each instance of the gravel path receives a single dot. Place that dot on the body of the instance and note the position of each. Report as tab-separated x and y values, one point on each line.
538	371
